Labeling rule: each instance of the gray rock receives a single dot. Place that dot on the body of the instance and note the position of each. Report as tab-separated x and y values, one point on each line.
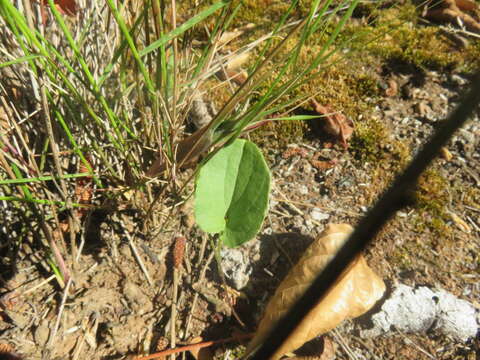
317	215
236	263
455	317
413	310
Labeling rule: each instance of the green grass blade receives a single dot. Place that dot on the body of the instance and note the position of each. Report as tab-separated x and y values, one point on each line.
19	60
184	27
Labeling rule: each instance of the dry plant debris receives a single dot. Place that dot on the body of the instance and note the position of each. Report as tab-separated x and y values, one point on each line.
7	353
335	123
453	11
357	290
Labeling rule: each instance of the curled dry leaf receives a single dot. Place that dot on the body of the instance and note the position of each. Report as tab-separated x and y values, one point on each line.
354	293
327	352
293	151
228	36
392	89
237	76
452	11
65	7
336	124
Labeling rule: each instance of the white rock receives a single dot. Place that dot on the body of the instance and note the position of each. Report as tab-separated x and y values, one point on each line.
419	310
236	263
317	215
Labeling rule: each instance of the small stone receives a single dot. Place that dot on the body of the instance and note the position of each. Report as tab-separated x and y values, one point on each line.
236	263
303	189
446	154
42	333
458	80
317	215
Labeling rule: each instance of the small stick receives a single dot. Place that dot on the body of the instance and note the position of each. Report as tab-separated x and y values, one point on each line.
199	281
193	347
60	312
178	252
138	258
344	344
37	286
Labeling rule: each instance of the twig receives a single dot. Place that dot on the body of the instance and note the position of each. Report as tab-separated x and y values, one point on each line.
178	253
339	338
138	258
199	281
408	341
193	347
286	200
46	281
59	316
367	347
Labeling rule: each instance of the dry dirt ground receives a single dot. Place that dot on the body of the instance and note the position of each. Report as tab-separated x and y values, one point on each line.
113	310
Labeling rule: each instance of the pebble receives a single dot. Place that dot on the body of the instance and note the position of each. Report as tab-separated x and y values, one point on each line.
237	263
42	333
458	80
317	215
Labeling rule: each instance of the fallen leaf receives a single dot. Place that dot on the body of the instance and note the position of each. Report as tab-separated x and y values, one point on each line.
446	154
7	353
228	36
392	89
322	164
65	7
326	352
236	61
336	124
354	293
452	11
200	353
238	77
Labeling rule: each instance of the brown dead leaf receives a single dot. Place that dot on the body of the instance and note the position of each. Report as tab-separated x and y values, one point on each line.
187	151
200	353
65	7
355	292
7	352
327	351
228	36
451	11
335	123
392	89
322	164
237	76
446	154
293	151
